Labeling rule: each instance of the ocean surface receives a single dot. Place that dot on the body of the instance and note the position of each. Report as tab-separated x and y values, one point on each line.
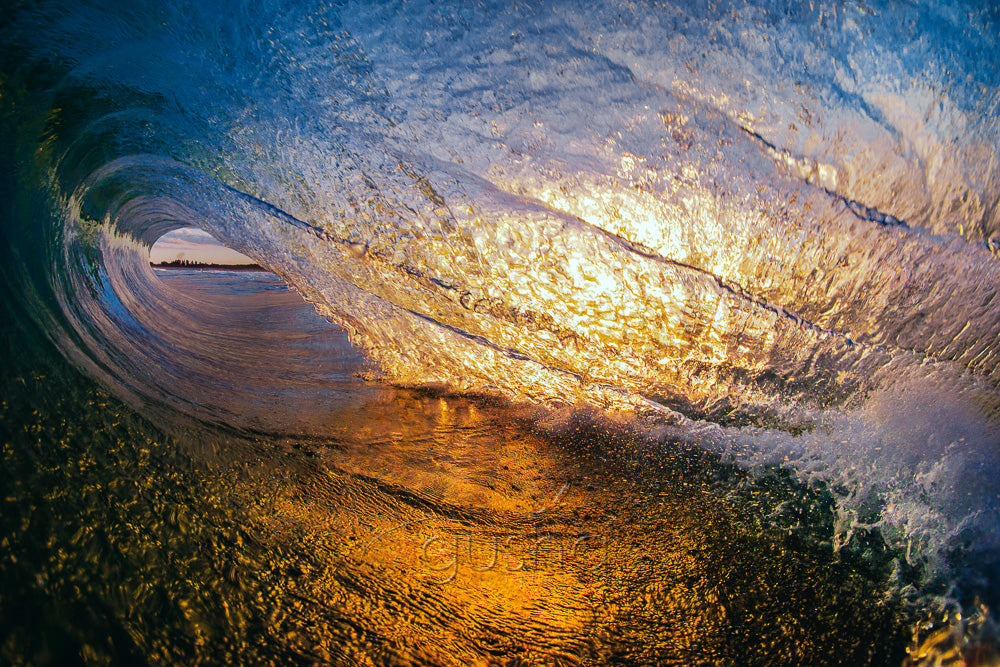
593	333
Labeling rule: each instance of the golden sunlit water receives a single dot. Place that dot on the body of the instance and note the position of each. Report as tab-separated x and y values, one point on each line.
432	530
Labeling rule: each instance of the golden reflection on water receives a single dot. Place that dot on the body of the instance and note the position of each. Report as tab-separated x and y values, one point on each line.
429	530
435	530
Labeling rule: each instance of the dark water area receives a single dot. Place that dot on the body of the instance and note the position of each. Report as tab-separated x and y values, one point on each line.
421	528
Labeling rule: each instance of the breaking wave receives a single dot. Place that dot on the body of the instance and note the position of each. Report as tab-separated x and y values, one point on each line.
767	230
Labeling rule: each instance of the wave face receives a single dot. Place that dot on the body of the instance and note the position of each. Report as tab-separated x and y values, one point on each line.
770	230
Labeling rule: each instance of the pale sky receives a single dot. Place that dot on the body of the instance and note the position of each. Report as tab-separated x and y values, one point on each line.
194	245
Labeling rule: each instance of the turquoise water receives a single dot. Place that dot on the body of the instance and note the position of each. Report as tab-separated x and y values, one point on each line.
647	333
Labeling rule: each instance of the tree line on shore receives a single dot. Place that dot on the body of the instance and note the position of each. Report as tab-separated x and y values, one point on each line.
189	264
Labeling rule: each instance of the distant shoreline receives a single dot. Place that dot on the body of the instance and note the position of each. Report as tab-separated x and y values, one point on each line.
174	266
